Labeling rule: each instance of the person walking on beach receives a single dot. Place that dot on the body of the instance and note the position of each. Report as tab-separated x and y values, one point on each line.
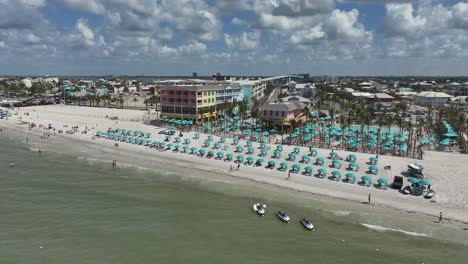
230	169
369	199
289	175
441	219
238	166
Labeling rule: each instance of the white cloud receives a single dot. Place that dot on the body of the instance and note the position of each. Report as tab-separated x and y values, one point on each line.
399	20
247	41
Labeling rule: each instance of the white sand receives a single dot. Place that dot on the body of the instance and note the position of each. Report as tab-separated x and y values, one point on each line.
448	172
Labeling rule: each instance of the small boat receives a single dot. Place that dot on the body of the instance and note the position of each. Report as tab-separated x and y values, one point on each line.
429	194
307	224
283	216
259	209
407	190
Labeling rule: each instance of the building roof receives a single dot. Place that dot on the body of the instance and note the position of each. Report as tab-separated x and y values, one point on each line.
362	94
383	96
454	84
296	98
286	106
433	95
304	86
195	87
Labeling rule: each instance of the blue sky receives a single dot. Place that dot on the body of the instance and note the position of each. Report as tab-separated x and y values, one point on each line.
238	37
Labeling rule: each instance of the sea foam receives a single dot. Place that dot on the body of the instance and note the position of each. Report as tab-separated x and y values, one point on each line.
384	229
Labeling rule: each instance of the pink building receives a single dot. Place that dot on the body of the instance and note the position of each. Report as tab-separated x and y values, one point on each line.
281	113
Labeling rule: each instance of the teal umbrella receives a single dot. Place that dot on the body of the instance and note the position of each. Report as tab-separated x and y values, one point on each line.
382	181
350	175
177	139
373	159
292	155
333	154
308	168
322	171
229	155
271	163
248	143
177	146
170	145
187	140
373	168
279	147
211	153
168	137
239	148
335	173
260	160
297	149
425	182
336	162
201	151
240	158
193	149
366	178
220	154
250	159
185	147
162	144
413	180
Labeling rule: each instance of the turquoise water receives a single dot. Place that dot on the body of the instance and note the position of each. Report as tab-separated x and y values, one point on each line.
57	208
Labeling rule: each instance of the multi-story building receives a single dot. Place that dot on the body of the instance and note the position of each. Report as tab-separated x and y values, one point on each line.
431	98
196	103
281	113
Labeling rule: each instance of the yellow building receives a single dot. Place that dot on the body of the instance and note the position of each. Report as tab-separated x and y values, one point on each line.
196	103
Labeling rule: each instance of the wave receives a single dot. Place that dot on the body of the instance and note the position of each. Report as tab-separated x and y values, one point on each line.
340	213
384	229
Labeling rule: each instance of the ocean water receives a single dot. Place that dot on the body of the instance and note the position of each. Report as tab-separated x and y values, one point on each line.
60	208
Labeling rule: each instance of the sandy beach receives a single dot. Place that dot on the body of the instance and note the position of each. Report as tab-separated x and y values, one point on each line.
446	171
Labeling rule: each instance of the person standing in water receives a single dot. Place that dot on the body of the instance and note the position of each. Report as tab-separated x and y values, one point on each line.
369	198
12	164
441	218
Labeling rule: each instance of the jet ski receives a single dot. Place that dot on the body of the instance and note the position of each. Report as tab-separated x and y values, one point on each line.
407	190
429	194
307	224
259	209
283	216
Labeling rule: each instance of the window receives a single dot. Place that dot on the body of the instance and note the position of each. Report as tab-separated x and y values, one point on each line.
277	113
265	113
199	101
283	114
199	93
271	113
204	101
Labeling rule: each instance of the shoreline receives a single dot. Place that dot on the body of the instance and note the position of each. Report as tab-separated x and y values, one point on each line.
299	184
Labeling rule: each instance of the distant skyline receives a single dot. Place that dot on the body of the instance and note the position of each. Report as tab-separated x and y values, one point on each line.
241	37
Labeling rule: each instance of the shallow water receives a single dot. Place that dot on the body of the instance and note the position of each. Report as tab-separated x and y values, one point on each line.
59	208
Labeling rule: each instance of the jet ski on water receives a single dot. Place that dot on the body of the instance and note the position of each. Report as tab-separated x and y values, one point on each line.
283	216
259	209
307	224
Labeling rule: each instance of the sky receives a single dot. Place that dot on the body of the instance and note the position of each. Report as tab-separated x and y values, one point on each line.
234	37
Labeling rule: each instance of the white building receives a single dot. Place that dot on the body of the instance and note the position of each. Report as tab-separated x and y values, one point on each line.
27	82
431	98
454	86
460	102
300	89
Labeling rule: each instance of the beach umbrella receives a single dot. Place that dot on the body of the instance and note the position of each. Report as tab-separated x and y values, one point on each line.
196	135
313	152
177	146
250	160
305	159
250	150
308	169
220	154
451	134
366	178
202	151
248	143
292	155
222	139
240	158
211	153
425	182
170	145
333	154
382	181
271	163
413	180
239	148
210	137
297	149
187	140
322	172
296	167
206	143
336	162
217	145
260	161
335	173
264	139
445	142
168	137
351	157
193	149
177	139
350	175
279	147
185	147
373	159
235	141
162	144
319	160
229	156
